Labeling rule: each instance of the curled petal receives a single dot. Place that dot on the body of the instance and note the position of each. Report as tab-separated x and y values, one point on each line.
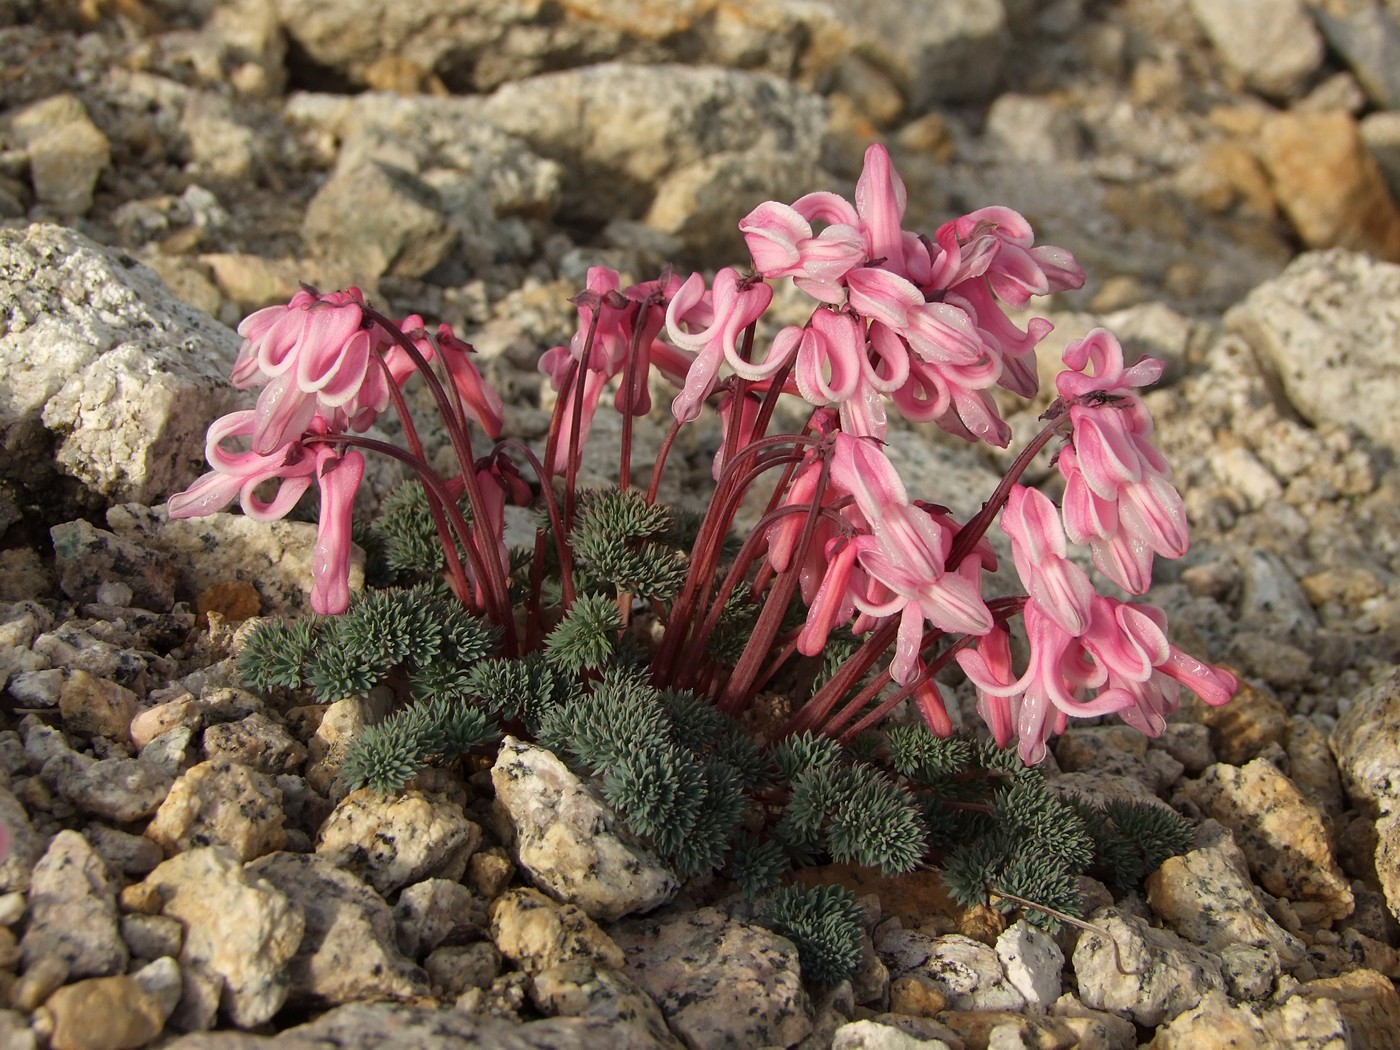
773	232
339	478
1059	587
880	202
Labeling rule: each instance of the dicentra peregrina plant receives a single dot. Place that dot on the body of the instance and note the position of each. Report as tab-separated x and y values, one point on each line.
844	558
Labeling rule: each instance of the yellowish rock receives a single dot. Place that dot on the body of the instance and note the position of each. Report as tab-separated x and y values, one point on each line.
104	1013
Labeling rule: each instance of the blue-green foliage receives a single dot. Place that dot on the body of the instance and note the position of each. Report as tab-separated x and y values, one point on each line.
824	922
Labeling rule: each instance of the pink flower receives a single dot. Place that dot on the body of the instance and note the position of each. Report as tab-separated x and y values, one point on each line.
1119	498
708	324
1058	587
239	475
479	397
1143	669
1039	702
781	244
905	558
339	477
314	354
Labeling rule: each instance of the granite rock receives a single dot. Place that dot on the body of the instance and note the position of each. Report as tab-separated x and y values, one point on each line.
73	910
569	843
391	842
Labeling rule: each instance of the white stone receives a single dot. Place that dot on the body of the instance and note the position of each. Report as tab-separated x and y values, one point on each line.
1033	962
1273	44
568	841
101	359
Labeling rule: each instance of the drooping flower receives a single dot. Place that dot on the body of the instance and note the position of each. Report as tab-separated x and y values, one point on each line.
708	323
482	401
1038	703
314	357
239	475
904	558
339	476
1059	588
1119	498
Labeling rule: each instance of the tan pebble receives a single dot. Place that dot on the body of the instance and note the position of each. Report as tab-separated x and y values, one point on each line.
103	1013
916	996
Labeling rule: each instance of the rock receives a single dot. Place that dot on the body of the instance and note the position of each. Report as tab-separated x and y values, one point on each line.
489	872
1274	46
1381	133
386	218
15	1032
88	557
1387	859
1034	130
567	840
970	974
720	982
1215	1024
181	712
393	1026
1328	185
492	190
916	995
1364	743
1207	897
96	707
274	556
535	933
454	968
241	933
124	852
161	980
435	912
25	845
1311	765
1368	1003
586	989
1164	974
38	983
1032	961
1281	833
257	742
604	124
1368	40
121	790
1300	315
697	202
111	380
390	842
872	1035
221	803
67	152
73	910
152	936
955	54
335	729
170	752
103	1013
1246	726
348	952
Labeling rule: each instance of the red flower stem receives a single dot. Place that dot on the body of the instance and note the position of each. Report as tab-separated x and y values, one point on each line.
556	524
825	698
705	554
654	485
629	379
456	576
440	502
576	408
980	522
493	578
1002	610
738	690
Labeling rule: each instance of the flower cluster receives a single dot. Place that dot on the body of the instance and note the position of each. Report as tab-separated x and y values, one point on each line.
327	366
899	321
